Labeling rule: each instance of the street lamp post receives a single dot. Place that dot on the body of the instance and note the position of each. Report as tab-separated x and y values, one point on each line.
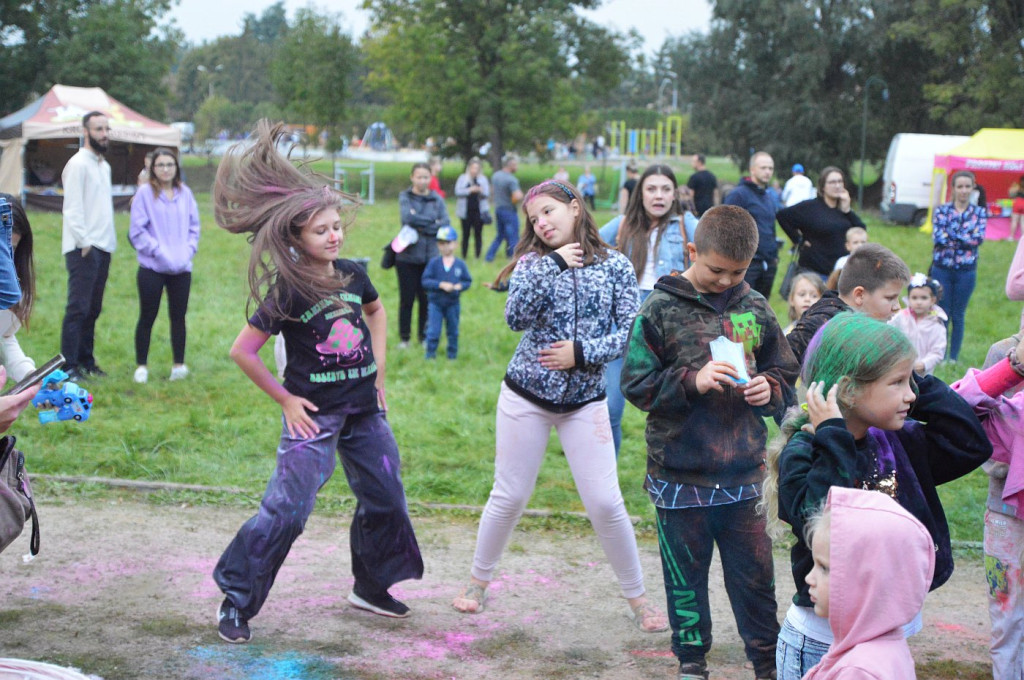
670	77
864	132
210	71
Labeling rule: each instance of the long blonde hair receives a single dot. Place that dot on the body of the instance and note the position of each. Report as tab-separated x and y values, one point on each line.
852	351
260	192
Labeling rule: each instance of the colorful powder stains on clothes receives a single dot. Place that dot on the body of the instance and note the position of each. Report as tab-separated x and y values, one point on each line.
998	576
251	662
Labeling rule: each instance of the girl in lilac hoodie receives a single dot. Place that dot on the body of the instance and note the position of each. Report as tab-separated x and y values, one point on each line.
873	562
165	234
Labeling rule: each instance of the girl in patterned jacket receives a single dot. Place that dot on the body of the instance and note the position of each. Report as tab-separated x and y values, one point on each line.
574	299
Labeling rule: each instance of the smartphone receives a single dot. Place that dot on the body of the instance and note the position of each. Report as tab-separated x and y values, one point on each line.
35	376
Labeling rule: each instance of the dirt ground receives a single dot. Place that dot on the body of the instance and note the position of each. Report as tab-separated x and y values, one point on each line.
122	589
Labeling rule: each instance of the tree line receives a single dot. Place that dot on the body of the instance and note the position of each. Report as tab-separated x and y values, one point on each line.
787	76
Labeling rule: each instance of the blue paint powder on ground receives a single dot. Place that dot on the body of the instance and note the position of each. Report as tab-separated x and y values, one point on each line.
252	662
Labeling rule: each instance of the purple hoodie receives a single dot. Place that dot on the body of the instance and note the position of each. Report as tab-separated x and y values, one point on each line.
165	231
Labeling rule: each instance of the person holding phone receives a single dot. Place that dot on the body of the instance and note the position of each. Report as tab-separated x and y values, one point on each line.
12	357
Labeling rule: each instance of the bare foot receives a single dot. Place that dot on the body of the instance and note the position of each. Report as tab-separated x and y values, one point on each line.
472	599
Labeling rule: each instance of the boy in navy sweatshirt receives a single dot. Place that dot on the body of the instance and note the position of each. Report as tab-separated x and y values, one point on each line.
444	279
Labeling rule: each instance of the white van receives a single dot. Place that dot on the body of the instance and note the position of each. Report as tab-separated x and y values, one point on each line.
907	178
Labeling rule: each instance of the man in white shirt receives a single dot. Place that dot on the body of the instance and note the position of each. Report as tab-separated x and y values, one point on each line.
798	188
87	241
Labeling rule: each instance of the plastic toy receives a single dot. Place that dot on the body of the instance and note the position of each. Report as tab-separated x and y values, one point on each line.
57	401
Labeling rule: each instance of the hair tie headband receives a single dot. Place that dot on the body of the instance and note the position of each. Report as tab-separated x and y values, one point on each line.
560	186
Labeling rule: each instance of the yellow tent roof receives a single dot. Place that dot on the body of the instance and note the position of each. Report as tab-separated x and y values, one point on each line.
995	143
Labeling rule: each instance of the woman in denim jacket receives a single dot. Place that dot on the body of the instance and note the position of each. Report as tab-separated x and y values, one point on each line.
651	235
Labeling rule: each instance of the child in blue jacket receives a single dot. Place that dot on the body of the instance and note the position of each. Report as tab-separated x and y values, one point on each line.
444	279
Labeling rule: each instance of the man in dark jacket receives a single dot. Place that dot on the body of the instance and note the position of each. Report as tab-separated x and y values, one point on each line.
751	195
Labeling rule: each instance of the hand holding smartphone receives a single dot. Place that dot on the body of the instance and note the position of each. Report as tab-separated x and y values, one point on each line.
35	376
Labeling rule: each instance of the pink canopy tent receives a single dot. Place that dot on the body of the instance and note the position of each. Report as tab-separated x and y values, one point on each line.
996	157
37	141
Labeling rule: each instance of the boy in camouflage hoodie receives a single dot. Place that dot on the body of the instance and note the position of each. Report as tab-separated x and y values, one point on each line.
706	435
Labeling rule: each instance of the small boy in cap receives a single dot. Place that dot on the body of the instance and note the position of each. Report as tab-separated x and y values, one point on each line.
444	279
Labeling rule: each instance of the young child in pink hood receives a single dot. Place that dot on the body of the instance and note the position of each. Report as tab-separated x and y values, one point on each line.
923	322
994	394
873	562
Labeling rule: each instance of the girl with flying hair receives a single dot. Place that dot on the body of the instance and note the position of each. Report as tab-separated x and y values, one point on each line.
652	233
574	300
332	398
869	422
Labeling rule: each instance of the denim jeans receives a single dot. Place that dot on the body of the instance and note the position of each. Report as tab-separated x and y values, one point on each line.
436	313
957	287
687	538
796	653
761	276
506	219
613	390
87	280
382	542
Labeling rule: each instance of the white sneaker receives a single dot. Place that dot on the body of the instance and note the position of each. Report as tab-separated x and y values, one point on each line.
179	372
141	374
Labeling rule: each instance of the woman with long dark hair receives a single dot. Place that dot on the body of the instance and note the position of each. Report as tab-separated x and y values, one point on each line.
651	234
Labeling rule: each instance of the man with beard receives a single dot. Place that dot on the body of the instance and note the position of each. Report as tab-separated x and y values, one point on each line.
87	242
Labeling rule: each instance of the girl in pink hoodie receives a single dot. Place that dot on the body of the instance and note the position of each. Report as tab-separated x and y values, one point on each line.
923	322
873	562
994	396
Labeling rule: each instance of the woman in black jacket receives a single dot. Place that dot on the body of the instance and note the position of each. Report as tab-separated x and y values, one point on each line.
822	223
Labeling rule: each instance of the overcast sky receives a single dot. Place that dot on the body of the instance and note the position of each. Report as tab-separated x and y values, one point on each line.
655	20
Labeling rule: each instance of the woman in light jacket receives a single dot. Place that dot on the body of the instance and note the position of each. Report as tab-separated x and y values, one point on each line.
653	234
471	192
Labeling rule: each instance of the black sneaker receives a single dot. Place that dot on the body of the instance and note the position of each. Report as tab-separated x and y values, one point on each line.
93	371
231	625
74	375
382	604
692	671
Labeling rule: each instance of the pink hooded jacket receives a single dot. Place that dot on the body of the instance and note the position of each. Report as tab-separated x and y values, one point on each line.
928	335
881	561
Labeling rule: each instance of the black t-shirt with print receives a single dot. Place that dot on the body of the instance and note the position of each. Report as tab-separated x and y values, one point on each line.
330	358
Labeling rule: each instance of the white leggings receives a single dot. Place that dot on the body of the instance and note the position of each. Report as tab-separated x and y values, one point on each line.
522	432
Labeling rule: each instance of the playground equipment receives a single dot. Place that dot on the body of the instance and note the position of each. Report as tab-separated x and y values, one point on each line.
344	172
664	140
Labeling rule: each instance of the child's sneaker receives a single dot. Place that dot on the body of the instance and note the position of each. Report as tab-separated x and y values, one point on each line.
141	374
179	372
692	671
382	604
231	625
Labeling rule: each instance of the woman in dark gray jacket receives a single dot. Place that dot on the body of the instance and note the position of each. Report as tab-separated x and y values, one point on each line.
424	211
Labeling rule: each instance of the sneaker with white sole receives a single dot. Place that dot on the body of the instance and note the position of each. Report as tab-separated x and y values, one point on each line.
141	374
382	604
179	372
231	625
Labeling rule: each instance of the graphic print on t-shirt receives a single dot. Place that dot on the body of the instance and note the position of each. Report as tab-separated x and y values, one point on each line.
345	342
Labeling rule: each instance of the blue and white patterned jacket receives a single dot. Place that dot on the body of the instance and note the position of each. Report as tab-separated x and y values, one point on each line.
593	306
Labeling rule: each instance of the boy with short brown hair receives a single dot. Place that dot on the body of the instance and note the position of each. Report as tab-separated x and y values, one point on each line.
706	435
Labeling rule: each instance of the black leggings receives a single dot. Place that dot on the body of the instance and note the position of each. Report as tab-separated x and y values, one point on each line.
151	288
410	289
476	228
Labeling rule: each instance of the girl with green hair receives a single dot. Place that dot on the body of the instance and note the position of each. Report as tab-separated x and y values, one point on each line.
869	422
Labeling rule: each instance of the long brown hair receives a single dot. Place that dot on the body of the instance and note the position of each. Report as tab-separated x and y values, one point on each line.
153	182
260	192
24	264
584	231
635	227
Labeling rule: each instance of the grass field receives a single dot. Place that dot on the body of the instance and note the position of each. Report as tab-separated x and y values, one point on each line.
216	428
